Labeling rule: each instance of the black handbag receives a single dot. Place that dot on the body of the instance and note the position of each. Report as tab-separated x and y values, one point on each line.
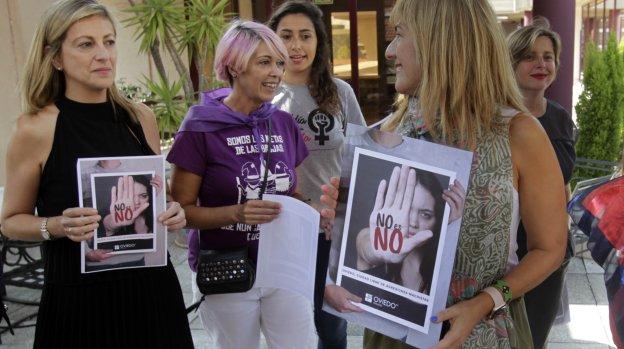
230	271
225	271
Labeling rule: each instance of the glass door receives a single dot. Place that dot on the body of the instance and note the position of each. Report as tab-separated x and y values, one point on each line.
370	82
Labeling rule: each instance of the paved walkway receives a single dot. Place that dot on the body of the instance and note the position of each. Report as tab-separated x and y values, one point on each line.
588	327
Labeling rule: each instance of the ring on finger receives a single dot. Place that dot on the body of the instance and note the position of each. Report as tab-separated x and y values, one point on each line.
68	230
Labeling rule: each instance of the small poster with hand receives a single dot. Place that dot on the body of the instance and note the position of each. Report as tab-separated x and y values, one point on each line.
126	204
129	194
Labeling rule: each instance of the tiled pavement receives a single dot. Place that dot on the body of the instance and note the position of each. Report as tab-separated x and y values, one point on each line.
588	327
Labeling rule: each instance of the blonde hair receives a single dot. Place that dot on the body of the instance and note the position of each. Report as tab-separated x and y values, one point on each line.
521	41
400	106
466	73
41	84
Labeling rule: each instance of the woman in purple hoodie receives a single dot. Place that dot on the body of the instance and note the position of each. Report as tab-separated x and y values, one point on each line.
232	147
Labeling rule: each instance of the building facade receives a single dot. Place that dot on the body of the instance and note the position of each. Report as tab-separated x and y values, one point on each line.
359	31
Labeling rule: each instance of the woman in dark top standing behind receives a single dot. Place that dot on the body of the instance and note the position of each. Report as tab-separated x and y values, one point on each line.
535	51
72	110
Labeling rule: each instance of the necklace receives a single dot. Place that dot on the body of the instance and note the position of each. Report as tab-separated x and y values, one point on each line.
413	124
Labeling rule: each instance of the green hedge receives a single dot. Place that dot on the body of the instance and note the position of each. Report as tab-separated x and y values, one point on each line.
600	110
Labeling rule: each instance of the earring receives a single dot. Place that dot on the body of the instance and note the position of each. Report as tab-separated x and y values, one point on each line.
234	76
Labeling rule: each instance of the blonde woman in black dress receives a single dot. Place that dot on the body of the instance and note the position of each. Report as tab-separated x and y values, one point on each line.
72	110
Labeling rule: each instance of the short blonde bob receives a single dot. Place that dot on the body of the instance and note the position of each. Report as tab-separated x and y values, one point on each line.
521	41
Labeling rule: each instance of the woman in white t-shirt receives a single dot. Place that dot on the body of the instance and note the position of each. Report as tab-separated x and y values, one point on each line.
322	106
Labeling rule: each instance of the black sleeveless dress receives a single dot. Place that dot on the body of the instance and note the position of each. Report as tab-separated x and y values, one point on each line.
131	308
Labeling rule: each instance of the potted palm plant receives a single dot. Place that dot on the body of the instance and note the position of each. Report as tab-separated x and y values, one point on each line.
177	29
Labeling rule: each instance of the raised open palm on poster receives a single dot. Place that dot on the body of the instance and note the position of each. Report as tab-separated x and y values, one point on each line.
389	220
122	208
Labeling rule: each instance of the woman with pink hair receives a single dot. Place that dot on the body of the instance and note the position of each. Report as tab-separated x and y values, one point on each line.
231	148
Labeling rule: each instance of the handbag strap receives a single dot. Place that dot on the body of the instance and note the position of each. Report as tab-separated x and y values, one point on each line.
195	305
267	157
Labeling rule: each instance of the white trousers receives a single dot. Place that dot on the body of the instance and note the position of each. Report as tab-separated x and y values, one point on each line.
234	320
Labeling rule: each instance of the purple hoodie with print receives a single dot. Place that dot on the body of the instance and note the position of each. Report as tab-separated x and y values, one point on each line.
221	146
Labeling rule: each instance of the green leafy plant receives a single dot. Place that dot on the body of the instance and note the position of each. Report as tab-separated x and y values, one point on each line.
615	64
601	106
132	91
160	21
190	26
202	31
177	29
168	107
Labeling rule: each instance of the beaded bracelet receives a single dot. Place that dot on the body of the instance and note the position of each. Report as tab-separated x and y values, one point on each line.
502	286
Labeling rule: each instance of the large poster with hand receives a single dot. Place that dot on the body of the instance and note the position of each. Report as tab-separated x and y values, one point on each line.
397	227
389	252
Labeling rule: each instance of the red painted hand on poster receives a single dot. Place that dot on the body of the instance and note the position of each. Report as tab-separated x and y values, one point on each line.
389	221
123	208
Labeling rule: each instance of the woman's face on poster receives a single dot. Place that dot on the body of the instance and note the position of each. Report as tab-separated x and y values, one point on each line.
422	214
140	195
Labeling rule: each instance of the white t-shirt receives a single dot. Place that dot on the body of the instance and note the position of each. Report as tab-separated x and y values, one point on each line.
322	132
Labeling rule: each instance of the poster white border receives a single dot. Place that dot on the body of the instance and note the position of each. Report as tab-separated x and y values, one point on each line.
149	236
442	238
158	257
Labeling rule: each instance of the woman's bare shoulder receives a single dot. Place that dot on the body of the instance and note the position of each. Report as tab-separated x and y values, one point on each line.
525	130
531	149
144	112
150	127
36	127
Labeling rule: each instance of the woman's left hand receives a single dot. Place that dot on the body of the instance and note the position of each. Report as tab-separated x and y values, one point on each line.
329	200
463	316
455	196
157	183
174	218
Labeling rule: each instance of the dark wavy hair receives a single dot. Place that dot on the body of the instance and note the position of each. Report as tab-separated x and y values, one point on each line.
149	212
429	249
431	183
322	87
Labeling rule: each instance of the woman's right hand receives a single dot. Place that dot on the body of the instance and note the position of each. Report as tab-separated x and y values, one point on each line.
255	212
341	299
389	221
79	223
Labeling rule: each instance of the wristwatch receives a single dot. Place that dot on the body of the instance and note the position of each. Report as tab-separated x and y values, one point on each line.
497	297
43	228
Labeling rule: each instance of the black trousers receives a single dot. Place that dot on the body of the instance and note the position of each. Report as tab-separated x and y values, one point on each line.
542	302
331	330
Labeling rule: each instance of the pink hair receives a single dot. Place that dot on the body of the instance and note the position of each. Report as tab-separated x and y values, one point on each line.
238	45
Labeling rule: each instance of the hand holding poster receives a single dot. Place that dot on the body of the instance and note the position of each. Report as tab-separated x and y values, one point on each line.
128	193
396	246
